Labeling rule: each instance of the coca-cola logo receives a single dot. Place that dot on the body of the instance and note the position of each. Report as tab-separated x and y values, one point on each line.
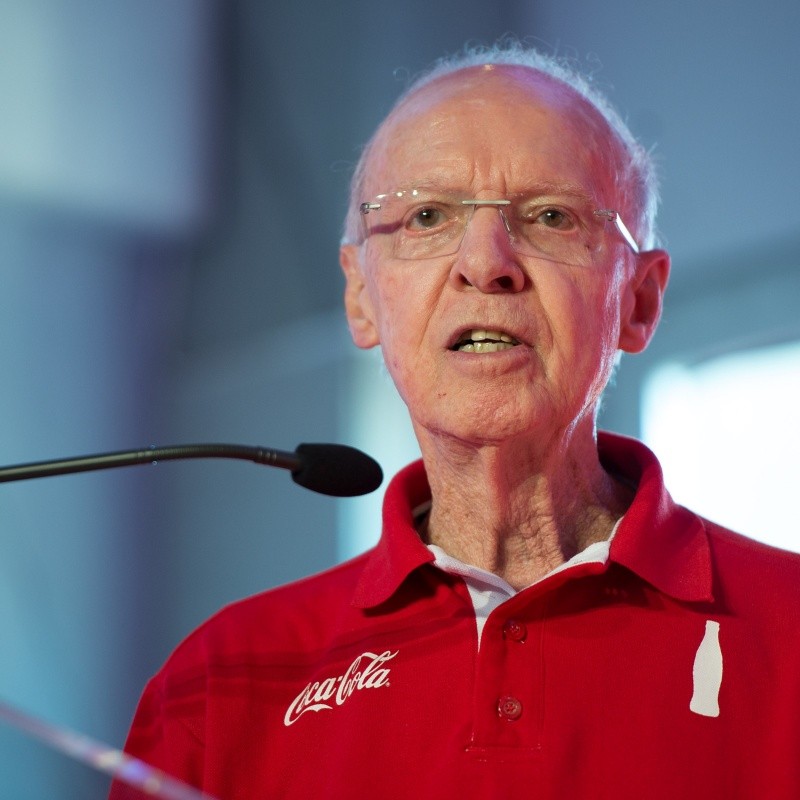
367	671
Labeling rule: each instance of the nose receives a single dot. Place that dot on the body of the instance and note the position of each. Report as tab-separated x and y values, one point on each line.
486	259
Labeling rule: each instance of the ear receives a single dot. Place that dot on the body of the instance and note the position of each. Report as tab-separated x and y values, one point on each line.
642	300
357	305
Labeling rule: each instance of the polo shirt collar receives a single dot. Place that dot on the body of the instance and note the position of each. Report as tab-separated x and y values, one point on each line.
400	550
662	542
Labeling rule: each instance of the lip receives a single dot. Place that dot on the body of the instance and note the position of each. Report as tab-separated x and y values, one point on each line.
500	364
486	366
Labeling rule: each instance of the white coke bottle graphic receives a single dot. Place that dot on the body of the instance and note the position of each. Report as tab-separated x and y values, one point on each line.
707	673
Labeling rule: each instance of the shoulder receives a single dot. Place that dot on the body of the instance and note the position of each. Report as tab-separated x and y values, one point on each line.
306	595
279	623
741	550
761	571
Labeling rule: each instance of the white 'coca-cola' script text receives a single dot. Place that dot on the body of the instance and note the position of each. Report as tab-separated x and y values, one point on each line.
366	672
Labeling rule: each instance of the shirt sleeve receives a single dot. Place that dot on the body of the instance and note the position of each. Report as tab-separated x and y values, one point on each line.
166	733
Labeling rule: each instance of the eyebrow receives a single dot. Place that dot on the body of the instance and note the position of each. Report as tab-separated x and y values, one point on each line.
563	189
537	188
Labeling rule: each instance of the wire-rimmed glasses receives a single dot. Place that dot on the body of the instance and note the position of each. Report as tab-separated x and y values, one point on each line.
424	223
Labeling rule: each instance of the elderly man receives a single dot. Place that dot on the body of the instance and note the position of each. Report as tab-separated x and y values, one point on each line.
539	619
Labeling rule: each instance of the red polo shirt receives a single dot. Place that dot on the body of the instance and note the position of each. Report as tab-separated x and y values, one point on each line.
670	671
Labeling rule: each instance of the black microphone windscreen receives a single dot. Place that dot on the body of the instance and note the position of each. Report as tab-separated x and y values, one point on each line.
337	470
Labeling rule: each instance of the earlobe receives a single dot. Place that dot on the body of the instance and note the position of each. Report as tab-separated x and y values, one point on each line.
642	300
358	308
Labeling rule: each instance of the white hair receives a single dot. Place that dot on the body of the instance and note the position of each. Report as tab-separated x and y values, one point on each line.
635	179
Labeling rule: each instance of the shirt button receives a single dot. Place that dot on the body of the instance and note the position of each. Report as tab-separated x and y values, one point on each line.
509	708
516	631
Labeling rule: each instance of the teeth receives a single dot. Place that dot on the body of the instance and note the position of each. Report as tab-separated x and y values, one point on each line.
485	347
484	341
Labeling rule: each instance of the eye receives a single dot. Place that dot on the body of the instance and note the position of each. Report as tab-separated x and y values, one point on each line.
554	218
426	218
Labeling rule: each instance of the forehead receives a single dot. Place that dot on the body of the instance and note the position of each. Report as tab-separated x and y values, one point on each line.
496	129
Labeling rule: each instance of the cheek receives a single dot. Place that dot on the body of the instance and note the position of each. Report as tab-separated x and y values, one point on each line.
584	320
392	310
405	302
398	321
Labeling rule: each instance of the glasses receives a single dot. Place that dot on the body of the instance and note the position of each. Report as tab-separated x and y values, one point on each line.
419	224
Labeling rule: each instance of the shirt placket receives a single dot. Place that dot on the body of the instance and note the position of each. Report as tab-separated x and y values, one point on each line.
510	678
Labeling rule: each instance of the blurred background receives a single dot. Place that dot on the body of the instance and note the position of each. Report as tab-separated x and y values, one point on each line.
172	180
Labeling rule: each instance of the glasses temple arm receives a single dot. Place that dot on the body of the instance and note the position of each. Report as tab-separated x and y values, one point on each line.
621	227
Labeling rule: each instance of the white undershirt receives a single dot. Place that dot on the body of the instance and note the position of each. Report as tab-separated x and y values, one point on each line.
488	591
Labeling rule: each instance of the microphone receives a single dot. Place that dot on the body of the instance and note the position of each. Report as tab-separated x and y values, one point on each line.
333	469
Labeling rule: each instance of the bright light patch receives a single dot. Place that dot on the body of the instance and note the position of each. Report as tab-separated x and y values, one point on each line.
378	424
728	437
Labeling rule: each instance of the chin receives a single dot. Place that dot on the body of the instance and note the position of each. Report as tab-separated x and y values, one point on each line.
486	427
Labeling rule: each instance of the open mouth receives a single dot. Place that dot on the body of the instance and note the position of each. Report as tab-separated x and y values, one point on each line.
483	341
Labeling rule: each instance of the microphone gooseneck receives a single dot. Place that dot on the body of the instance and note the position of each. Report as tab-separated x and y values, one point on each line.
332	469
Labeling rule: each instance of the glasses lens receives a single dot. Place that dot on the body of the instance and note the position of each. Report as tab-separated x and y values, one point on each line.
557	230
415	224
